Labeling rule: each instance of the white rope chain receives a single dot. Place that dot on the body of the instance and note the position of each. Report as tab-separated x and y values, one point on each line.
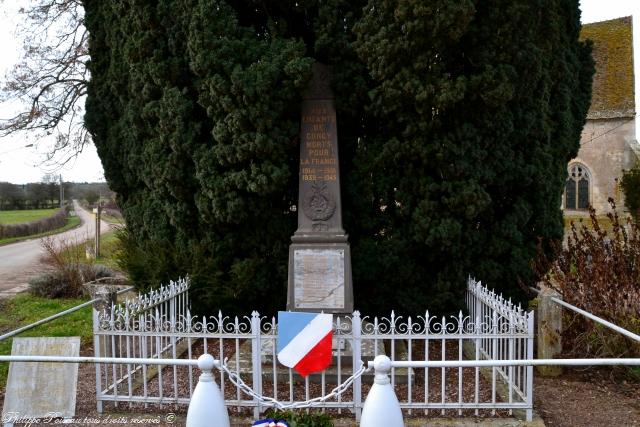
269	401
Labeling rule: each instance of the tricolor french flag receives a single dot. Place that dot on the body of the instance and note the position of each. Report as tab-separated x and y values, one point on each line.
304	341
270	422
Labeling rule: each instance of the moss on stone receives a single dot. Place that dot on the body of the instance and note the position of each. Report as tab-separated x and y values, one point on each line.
613	54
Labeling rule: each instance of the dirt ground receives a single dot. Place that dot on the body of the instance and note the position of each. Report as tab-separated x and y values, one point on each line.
587	398
578	398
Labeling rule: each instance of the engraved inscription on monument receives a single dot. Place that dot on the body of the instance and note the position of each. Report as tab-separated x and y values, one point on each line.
319	175
36	390
319	278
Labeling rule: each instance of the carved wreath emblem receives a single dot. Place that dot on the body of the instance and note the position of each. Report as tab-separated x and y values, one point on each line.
318	204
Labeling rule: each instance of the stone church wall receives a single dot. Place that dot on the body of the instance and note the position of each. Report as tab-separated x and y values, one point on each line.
607	147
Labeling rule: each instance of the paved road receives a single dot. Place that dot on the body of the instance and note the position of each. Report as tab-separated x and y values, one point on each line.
21	261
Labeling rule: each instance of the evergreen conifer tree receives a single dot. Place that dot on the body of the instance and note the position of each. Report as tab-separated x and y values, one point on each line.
455	123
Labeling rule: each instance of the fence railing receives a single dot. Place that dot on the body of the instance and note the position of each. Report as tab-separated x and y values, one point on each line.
550	327
143	327
382	403
558	300
160	326
513	330
59	315
380	408
207	402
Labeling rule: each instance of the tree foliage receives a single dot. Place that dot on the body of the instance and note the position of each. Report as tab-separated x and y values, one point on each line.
34	195
455	123
91	197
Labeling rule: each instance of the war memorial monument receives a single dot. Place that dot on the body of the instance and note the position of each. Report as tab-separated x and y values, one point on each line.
319	256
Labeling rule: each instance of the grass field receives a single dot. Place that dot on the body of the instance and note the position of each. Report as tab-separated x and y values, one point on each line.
109	247
112	219
24	309
585	221
72	222
18	217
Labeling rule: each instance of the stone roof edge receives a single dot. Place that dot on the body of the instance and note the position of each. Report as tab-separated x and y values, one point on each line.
600	115
607	20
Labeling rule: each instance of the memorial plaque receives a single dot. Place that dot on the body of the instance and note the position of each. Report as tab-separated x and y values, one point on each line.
319	278
319	257
40	389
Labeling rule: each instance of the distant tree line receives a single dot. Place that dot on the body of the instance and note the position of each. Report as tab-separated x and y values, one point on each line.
89	191
46	194
35	195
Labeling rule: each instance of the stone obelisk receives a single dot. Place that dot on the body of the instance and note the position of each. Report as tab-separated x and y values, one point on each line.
319	256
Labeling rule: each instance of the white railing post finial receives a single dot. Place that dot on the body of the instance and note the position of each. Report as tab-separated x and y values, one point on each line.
207	403
381	409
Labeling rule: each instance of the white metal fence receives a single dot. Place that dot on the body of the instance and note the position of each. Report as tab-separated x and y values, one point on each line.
144	327
160	326
513	332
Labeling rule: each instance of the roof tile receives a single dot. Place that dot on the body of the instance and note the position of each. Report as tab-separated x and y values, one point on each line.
613	83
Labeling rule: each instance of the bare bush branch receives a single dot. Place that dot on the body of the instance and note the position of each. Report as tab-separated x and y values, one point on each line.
599	271
71	269
49	84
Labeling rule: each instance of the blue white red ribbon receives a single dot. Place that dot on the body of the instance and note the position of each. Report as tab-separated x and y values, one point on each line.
304	341
270	422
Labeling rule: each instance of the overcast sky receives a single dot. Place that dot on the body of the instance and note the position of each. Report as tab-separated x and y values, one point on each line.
19	164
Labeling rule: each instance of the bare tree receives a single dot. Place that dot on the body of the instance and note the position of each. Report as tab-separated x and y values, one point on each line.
48	85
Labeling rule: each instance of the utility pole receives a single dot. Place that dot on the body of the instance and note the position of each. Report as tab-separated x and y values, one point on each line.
61	192
98	211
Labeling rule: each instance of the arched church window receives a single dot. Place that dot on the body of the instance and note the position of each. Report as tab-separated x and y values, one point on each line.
577	188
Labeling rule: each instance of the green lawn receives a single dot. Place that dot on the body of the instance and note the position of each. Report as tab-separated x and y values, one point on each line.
18	217
109	247
585	221
24	309
72	222
112	219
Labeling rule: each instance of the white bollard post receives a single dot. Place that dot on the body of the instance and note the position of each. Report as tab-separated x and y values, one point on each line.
381	409
207	408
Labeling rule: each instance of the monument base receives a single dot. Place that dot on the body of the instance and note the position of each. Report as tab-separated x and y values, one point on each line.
320	274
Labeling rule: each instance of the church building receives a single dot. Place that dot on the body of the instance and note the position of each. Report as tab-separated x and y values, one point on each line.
608	144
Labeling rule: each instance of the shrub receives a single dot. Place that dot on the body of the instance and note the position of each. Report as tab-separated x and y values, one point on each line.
113	212
101	271
57	220
301	419
631	188
71	270
52	285
599	271
62	284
